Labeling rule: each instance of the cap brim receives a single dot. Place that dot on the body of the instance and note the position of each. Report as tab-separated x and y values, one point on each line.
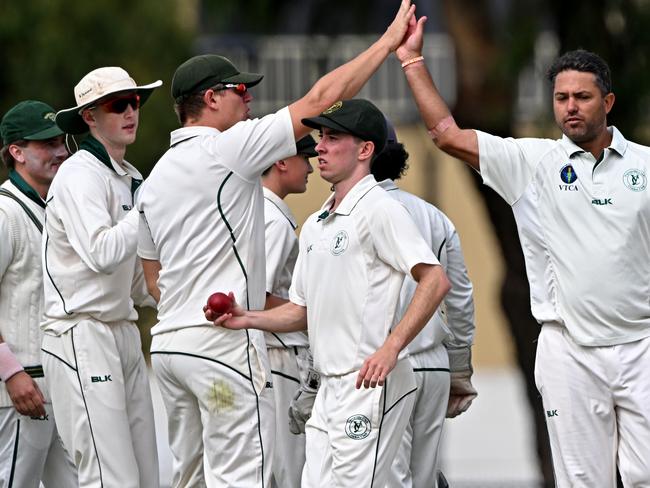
71	122
320	121
248	79
310	153
48	133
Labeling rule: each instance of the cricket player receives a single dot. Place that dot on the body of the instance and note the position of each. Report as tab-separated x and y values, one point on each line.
289	355
354	254
441	353
582	207
30	448
202	231
92	354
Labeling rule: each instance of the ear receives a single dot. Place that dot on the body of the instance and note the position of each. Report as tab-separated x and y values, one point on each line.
366	150
609	102
281	166
17	153
210	98
88	117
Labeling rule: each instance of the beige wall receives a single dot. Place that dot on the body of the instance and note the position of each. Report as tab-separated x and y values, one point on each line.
446	183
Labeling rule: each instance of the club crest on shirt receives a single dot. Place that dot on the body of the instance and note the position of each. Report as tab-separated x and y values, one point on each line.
569	177
568	174
635	179
358	427
340	243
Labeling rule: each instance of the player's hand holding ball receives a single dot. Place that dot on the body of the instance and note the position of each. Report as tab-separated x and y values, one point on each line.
220	303
223	310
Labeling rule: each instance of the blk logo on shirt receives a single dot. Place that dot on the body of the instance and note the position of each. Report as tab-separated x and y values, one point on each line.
101	379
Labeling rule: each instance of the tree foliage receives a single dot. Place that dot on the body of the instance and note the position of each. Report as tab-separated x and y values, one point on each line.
48	46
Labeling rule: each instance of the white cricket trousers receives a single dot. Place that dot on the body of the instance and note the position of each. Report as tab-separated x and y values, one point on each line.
31	452
289	457
353	435
220	426
597	402
416	463
100	393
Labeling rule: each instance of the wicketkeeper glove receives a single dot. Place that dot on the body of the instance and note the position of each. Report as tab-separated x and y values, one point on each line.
303	402
461	391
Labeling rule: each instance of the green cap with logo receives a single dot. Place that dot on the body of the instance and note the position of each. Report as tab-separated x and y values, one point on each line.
306	146
207	70
358	117
30	120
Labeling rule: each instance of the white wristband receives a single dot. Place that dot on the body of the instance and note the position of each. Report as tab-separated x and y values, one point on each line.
9	365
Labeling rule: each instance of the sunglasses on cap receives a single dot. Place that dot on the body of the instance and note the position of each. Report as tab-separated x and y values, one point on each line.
119	104
239	88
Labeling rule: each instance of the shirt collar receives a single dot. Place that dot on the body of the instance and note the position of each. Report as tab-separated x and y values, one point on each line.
281	205
25	188
94	147
356	193
388	185
618	144
185	133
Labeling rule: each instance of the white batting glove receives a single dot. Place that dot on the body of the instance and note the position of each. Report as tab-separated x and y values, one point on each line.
303	402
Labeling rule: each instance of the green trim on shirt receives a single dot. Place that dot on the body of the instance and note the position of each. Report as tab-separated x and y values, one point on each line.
94	147
25	188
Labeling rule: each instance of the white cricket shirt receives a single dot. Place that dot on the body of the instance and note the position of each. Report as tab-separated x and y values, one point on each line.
89	243
453	322
349	273
584	227
202	217
281	254
21	281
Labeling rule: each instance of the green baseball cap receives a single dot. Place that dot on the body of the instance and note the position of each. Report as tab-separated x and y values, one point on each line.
358	117
306	146
30	120
206	70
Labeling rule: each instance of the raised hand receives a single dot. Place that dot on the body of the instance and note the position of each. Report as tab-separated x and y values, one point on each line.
395	32
411	45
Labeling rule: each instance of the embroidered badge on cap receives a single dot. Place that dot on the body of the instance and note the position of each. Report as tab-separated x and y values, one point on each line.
333	108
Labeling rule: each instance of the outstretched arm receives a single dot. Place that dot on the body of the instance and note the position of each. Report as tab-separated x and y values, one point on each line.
346	80
285	318
457	142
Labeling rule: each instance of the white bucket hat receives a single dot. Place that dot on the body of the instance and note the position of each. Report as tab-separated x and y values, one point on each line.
95	85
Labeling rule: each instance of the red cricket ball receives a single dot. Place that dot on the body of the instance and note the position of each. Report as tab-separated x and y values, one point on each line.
219	303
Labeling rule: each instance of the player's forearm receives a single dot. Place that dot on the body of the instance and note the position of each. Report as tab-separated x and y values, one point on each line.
345	81
151	269
288	317
273	301
459	143
431	289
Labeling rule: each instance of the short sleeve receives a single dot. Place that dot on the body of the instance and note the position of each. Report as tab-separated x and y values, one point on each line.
397	239
279	239
508	165
249	147
146	246
297	291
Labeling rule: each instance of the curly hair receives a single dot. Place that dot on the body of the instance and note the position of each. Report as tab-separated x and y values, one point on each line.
390	162
585	61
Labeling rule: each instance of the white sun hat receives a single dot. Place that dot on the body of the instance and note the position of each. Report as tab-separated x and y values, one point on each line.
96	85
